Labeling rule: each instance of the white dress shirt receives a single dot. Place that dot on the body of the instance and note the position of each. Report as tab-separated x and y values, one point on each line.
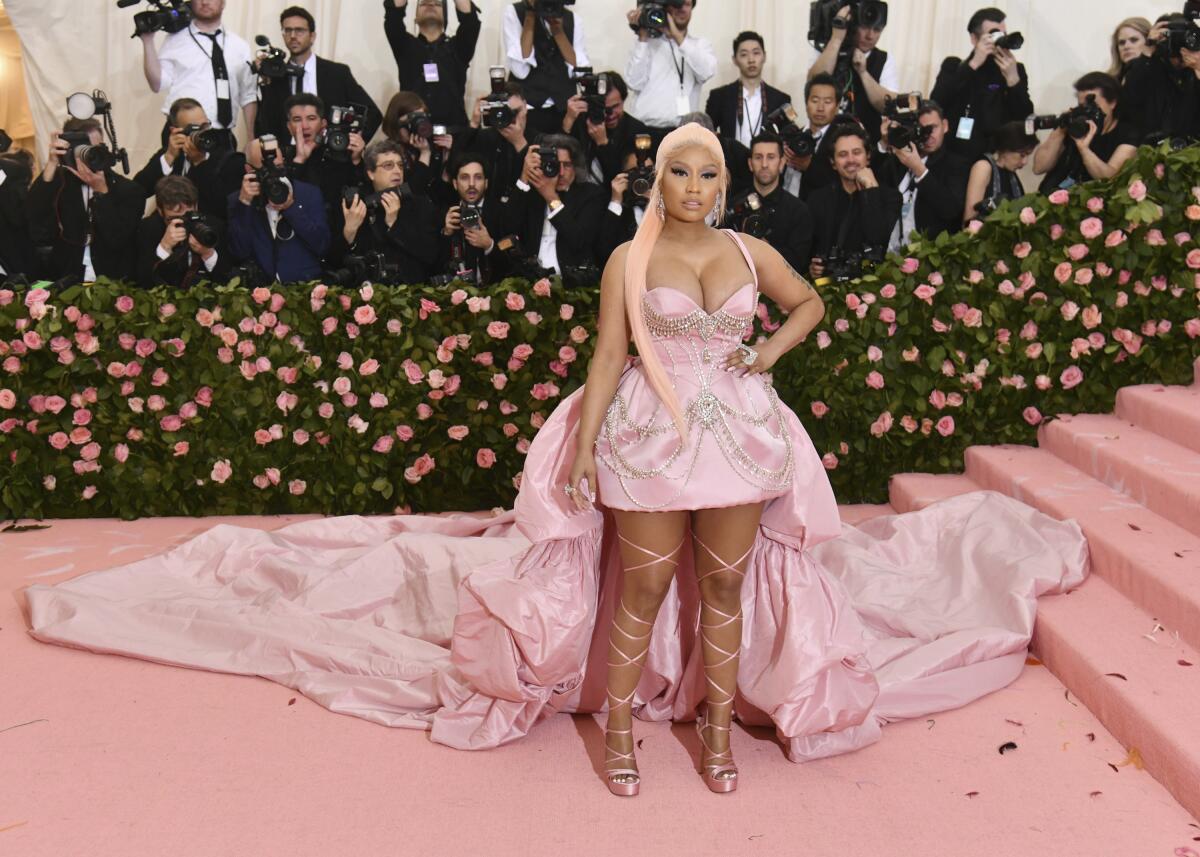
653	72
907	224
309	82
89	271
186	60
520	65
750	124
209	263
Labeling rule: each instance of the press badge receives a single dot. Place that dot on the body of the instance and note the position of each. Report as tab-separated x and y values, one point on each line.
431	72
965	126
683	105
222	89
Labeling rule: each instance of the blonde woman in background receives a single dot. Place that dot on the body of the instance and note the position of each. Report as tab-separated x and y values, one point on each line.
1130	40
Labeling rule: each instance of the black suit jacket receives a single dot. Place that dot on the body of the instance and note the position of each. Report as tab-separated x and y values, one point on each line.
214	178
992	101
14	221
722	106
58	225
577	225
853	222
182	268
336	86
941	195
791	227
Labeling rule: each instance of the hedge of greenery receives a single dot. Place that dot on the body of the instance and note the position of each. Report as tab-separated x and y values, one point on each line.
223	400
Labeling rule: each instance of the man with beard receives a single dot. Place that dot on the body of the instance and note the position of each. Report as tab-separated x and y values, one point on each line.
668	70
786	222
431	63
603	142
469	228
739	109
332	82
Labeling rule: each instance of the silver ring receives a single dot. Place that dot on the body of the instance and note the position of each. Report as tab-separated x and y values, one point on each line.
749	355
569	490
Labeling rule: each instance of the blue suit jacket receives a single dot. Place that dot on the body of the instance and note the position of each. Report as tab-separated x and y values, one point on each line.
293	259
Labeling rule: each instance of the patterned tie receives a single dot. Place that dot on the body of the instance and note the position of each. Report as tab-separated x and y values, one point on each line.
220	72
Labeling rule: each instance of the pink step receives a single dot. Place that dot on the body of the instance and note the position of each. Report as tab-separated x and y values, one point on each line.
1161	475
1150	560
911	492
1171	412
1089	639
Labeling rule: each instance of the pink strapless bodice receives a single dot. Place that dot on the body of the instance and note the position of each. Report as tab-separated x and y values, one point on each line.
739	446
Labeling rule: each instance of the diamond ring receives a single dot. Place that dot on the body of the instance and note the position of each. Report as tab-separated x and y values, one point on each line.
569	490
749	355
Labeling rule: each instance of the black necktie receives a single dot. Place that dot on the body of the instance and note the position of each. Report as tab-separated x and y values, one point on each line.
220	73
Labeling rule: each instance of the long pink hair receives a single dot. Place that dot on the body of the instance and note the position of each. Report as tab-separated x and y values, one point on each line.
638	258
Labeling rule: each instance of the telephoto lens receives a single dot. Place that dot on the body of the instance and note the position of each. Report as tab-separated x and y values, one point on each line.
200	227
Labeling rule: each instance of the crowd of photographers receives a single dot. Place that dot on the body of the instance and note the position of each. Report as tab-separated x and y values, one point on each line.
549	171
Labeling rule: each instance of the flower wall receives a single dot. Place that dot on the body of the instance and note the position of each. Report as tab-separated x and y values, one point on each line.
303	398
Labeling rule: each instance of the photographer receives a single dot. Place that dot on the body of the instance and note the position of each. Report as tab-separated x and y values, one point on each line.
1160	93
467	249
556	215
993	178
391	221
276	222
332	82
785	222
603	141
739	109
207	63
330	162
931	179
544	44
16	174
176	246
198	151
407	122
865	74
502	146
807	173
855	216
667	67
82	221
985	90
1129	42
432	64
630	194
1099	144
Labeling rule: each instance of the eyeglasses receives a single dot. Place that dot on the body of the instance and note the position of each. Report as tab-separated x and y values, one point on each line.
389	165
296	31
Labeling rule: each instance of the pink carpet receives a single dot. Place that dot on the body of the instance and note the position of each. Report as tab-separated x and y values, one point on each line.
110	756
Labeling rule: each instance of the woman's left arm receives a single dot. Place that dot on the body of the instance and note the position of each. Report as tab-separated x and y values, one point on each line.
792	293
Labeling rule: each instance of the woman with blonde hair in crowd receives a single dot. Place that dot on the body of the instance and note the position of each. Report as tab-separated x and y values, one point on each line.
1130	40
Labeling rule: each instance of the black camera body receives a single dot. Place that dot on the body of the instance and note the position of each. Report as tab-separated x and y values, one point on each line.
822	18
904	126
343	121
201	228
652	16
553	8
374	201
1008	41
419	124
169	16
96	158
470	215
550	166
842	265
746	213
1182	32
205	138
783	121
495	112
274	63
270	176
593	88
1075	120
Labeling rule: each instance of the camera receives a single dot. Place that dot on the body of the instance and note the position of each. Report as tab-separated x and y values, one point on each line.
842	265
553	8
270	176
1008	41
550	166
362	268
170	16
593	88
747	214
1182	32
343	121
495	112
470	216
273	63
783	122
96	158
81	105
1074	120
641	177
205	137
419	124
652	16
822	18
199	227
374	201
904	126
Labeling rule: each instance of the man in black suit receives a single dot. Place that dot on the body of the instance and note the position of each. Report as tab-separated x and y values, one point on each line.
16	173
855	214
432	64
806	174
931	179
739	109
471	248
630	194
983	91
786	223
557	218
604	142
198	152
310	159
170	254
83	222
503	148
332	81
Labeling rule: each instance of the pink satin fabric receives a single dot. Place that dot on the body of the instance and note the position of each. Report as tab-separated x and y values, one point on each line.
477	628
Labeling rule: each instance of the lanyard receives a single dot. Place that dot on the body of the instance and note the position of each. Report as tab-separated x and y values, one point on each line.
679	66
762	110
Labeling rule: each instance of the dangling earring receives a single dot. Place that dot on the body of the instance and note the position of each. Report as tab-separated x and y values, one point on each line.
716	212
662	209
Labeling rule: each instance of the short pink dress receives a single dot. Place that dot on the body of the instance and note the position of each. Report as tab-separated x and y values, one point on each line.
740	448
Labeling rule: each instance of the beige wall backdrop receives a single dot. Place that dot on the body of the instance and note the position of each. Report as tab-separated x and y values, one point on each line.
72	45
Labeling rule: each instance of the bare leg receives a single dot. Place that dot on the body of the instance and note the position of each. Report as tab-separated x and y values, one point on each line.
722	541
650	544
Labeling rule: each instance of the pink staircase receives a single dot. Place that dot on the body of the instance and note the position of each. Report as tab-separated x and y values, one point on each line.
1127	642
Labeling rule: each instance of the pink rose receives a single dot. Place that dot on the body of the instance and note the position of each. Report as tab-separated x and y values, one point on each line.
874	354
1022	250
1193	259
938	399
428	307
1034	350
1028	216
973	318
945	426
1114	238
1071	377
1032	415
1063	271
404	432
1137	190
1084	276
1056	231
1092	316
145	347
887	315
830	461
1091	227
383	444
297	487
1077	251
499	381
170	423
542	288
8	399
819	409
424	412
852	301
378	400
523	351
514	302
368	367
365	315
221	471
485	458
1192	328
1069	310
498	330
124	303
925	293
875	381
325	410
888	291
910	265
59	440
882	425
824	340
1059	197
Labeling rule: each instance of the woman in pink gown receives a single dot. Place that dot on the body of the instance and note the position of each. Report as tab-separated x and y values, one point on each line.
713	572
